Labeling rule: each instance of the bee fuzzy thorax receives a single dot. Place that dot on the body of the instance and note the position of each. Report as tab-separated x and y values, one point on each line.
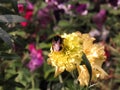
57	43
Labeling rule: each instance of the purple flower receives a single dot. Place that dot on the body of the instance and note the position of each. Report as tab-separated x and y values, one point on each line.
113	3
36	58
59	5
56	2
100	18
44	17
80	8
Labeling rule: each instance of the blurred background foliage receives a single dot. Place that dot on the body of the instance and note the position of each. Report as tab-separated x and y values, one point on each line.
23	22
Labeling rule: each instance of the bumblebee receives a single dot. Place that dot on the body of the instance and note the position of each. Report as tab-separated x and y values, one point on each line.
57	43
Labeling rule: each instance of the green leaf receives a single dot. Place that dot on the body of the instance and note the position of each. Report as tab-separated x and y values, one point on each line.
9	56
22	1
58	86
5	37
15	5
5	1
4	47
63	23
12	77
12	84
88	65
11	18
47	72
4	10
19	85
44	45
2	77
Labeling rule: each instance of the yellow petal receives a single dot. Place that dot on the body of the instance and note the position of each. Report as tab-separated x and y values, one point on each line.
58	70
83	75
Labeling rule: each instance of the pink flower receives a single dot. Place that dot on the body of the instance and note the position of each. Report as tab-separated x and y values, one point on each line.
21	8
36	58
30	6
27	16
28	12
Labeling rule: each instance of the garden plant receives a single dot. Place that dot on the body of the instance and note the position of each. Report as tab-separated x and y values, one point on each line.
59	44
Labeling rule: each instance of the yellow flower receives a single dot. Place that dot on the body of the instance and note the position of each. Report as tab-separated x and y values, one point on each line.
96	56
70	56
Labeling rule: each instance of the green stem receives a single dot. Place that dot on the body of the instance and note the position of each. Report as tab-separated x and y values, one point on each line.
61	81
33	83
